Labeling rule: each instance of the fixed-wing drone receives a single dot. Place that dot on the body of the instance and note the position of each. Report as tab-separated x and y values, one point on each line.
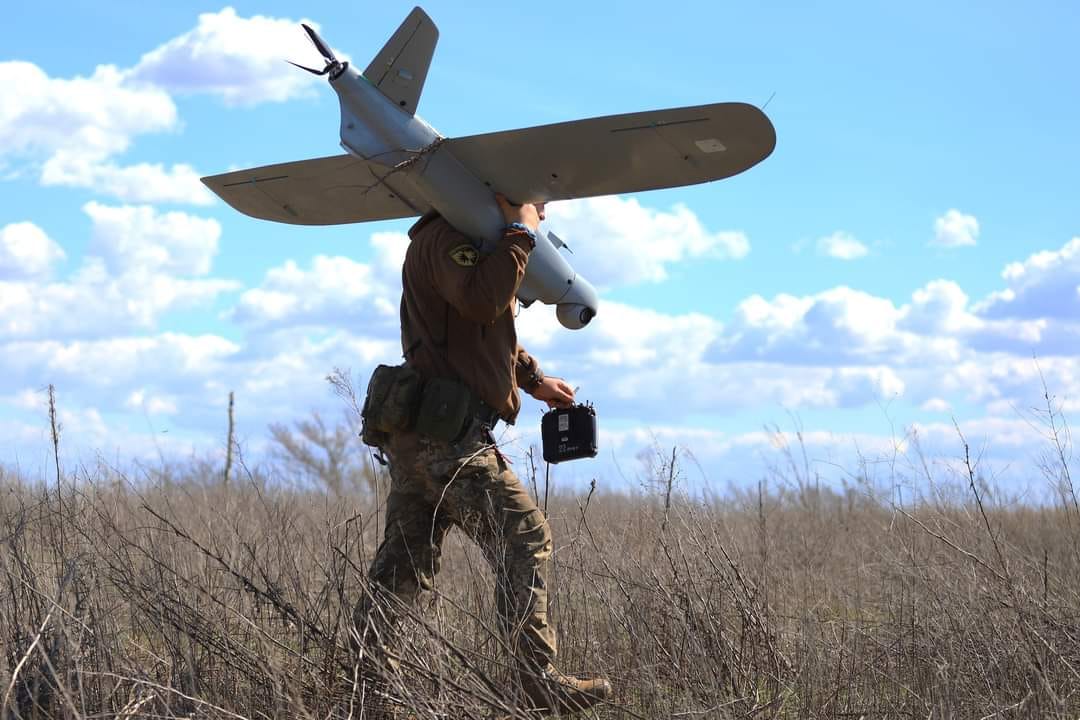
396	165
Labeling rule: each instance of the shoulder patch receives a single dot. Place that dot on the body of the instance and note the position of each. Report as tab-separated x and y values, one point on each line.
465	255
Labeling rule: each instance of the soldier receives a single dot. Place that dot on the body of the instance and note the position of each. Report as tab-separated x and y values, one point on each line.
457	319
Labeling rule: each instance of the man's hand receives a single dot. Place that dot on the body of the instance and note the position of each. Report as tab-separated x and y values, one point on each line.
555	392
525	214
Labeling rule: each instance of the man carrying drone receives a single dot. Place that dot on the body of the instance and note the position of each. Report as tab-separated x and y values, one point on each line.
467	267
460	345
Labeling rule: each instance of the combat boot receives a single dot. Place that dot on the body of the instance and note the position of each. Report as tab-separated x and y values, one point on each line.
551	691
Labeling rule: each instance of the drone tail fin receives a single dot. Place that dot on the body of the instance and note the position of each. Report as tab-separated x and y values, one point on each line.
400	68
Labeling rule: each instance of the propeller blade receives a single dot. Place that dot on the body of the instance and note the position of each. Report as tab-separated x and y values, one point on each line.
322	47
313	72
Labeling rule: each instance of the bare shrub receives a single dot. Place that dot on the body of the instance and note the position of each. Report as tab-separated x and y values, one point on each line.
172	593
332	457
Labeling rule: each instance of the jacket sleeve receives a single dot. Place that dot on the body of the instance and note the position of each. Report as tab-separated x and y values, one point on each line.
481	288
527	371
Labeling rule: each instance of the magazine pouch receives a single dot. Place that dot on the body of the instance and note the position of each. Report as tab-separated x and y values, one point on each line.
445	406
393	397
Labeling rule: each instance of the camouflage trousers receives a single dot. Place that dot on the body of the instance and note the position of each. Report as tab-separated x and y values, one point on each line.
436	486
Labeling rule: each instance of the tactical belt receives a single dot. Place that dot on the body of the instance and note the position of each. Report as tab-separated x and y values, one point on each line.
479	411
486	414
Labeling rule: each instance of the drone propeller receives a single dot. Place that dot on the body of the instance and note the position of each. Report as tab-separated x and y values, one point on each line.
310	70
332	63
321	46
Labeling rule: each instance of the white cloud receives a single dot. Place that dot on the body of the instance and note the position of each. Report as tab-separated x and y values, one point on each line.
621	336
643	363
94	303
142	182
837	326
941	306
936	405
26	251
335	291
1045	285
854	387
117	361
955	229
74	127
617	241
95	116
143	239
1019	381
181	382
390	250
132	274
27	399
842	246
241	60
842	326
143	401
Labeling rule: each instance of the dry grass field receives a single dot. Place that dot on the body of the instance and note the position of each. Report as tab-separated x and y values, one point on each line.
176	591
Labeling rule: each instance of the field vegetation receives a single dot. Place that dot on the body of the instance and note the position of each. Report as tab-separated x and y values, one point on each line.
195	590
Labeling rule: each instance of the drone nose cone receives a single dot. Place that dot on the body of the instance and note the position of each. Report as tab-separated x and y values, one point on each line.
574	316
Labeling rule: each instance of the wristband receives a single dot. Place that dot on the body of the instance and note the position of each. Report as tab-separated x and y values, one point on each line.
516	227
533	381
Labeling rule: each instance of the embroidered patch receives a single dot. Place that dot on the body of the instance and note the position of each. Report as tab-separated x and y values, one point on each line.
465	255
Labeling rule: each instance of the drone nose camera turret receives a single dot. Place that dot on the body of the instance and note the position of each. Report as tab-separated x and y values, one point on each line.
574	316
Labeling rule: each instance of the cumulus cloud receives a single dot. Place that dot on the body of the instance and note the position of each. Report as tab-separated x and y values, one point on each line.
941	306
854	387
140	264
621	336
241	60
145	401
143	239
1045	285
638	362
73	127
837	326
955	229
390	248
99	367
334	291
93	303
181	382
842	246
96	116
843	326
648	240
26	252
142	182
936	405
1010	383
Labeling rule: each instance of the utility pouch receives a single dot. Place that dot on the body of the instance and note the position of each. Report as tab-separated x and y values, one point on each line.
393	395
445	406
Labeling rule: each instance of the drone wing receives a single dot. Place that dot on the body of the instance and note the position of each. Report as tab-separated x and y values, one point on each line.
619	153
321	191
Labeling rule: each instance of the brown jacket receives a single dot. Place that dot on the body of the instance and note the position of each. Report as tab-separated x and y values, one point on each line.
457	312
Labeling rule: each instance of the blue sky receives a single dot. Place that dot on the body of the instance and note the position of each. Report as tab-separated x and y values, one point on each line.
910	240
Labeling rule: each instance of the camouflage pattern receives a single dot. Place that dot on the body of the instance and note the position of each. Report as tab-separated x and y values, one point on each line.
436	486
